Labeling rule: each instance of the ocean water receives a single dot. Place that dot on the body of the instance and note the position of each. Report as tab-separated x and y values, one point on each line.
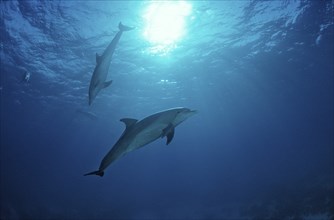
260	74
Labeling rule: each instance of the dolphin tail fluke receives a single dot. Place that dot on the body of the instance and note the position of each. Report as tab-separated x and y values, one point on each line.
124	28
98	172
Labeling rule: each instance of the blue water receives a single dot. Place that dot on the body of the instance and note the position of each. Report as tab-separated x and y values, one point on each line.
259	73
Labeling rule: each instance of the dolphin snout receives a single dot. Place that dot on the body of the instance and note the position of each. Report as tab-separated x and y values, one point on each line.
193	111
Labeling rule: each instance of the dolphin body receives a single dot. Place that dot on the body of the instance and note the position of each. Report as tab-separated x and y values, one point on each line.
98	80
140	133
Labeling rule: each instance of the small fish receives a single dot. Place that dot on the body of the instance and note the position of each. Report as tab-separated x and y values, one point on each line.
26	77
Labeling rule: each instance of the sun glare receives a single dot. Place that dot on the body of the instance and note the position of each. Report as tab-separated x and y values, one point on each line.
165	22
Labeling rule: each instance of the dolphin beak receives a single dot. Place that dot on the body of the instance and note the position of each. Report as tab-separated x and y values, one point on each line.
194	111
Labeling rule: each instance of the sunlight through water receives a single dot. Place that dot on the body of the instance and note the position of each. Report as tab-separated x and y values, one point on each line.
165	23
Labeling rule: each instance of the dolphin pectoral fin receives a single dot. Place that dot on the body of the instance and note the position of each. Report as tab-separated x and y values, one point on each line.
106	84
98	58
168	132
98	172
170	136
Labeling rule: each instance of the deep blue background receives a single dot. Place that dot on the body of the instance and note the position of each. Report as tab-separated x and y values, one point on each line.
259	73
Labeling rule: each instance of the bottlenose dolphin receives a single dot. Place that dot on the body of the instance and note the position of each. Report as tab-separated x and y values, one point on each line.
98	80
140	133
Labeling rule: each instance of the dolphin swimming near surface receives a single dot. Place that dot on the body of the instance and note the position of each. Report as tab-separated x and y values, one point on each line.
98	80
140	133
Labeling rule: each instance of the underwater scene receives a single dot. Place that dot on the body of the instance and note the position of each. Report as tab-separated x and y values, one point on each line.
149	110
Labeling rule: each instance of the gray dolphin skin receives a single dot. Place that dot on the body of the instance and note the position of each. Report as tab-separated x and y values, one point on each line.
140	133
98	80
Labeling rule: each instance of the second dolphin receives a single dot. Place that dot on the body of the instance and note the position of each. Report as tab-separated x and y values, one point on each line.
98	80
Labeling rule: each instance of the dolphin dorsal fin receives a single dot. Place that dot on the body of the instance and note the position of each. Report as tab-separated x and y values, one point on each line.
129	122
98	58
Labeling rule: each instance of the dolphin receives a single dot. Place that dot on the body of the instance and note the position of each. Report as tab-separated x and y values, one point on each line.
98	80
140	133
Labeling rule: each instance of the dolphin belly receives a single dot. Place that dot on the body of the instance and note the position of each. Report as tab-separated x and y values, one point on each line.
145	137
